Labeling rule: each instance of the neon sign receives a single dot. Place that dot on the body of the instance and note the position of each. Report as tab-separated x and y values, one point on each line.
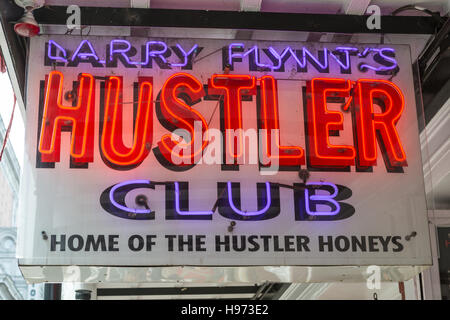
377	60
175	110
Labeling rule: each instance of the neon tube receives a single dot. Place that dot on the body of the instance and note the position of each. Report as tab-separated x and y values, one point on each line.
345	50
185	55
49	52
325	50
84	55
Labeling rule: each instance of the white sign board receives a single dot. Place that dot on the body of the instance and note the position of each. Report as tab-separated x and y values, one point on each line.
326	170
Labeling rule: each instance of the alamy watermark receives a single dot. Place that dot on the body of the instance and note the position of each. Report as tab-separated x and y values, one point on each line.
249	146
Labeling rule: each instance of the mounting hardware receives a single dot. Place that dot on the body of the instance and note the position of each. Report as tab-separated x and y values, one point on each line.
226	69
344	110
70	95
412	235
83	294
44	235
30	4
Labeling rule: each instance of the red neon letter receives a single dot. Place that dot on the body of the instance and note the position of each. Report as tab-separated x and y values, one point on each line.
269	120
56	116
178	113
232	87
370	125
113	148
321	121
